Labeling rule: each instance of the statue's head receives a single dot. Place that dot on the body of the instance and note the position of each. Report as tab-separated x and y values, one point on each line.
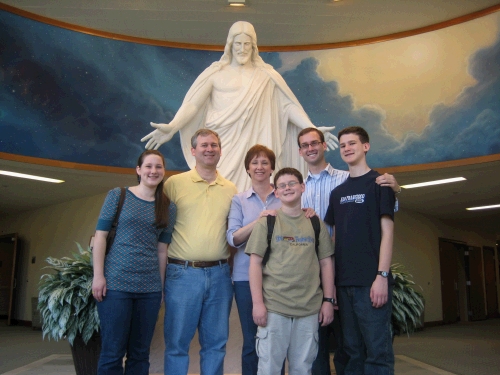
241	28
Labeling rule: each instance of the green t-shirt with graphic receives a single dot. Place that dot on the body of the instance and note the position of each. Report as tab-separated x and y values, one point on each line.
291	277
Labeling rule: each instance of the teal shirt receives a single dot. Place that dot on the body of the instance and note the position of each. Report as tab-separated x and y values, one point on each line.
132	263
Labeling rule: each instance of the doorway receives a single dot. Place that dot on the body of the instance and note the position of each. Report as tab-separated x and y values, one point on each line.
475	286
8	252
449	266
490	282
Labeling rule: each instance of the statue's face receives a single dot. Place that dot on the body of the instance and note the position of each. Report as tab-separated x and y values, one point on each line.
242	49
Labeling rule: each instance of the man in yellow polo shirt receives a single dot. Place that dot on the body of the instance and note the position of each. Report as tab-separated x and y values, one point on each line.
198	288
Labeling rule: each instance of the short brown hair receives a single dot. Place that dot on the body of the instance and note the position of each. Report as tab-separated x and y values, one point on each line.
258	150
309	130
203	132
289	171
358	130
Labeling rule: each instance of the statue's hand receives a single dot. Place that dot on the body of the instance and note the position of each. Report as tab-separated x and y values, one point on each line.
331	140
162	134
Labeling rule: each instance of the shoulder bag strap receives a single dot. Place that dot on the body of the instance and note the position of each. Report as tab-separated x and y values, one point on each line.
317	229
120	205
270	228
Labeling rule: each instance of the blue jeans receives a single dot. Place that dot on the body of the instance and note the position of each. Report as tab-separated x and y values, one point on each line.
127	325
243	297
197	298
367	332
321	365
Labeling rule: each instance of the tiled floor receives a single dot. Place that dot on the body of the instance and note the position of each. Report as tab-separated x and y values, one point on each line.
57	364
62	364
459	349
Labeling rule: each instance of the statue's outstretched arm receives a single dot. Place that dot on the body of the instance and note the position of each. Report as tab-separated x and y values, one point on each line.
299	118
188	109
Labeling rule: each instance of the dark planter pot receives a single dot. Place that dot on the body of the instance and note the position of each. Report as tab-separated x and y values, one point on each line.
86	356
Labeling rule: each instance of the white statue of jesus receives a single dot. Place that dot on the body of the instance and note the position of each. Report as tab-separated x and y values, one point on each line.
246	102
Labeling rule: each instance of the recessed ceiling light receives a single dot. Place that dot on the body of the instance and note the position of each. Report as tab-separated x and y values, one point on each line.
483	207
31	177
436	182
236	3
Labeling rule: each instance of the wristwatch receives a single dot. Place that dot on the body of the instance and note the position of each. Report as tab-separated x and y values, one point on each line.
331	300
383	274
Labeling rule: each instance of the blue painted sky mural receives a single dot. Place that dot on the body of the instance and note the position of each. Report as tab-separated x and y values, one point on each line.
74	97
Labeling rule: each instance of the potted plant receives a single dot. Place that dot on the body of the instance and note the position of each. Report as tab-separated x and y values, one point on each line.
68	309
407	303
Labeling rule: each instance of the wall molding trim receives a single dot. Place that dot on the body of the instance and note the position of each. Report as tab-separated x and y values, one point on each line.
440	164
71	165
120	170
65	164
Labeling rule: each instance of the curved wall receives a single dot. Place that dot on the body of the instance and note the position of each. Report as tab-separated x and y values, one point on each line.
79	98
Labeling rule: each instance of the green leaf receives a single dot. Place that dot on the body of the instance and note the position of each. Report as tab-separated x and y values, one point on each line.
64	299
407	304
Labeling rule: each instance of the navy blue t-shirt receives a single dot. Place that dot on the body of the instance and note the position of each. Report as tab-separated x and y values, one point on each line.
355	209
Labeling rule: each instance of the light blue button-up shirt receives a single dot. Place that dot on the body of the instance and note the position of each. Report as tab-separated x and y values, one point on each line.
318	189
245	208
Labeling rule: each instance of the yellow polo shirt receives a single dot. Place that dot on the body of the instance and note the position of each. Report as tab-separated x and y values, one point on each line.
202	211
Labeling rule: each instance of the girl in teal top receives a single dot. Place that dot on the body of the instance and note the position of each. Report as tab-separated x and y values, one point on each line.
128	282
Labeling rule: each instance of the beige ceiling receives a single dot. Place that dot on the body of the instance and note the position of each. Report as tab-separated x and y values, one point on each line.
19	194
277	22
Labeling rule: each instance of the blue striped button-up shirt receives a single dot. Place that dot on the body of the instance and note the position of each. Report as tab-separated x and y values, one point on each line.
319	187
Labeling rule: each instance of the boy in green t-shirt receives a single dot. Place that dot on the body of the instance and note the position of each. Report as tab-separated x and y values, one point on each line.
288	303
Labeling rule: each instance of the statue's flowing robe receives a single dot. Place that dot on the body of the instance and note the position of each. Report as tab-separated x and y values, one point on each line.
257	114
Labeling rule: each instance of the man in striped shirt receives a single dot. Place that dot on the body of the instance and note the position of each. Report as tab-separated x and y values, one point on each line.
321	179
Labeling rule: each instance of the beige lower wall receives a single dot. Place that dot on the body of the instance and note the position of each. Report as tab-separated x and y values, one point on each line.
51	231
416	245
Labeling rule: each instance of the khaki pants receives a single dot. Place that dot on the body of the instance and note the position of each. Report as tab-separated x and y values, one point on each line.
293	338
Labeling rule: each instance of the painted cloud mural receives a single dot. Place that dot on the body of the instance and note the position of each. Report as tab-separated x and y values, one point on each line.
80	98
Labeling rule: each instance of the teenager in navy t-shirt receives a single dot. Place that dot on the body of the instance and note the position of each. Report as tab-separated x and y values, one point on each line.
362	215
357	205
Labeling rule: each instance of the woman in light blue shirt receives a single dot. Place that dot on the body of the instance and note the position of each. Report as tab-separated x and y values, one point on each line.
246	209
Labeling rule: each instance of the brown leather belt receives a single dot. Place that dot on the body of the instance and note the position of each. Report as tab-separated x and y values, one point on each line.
197	264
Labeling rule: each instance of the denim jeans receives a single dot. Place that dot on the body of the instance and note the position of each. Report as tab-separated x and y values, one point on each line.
340	359
197	298
249	358
127	325
367	332
321	365
243	297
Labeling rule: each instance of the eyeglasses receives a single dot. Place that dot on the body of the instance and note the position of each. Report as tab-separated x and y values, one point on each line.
314	144
291	184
